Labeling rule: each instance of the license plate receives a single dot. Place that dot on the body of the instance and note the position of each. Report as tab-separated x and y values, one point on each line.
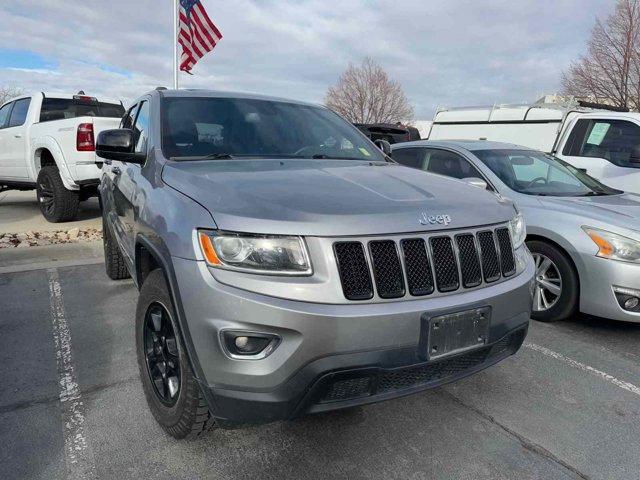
458	332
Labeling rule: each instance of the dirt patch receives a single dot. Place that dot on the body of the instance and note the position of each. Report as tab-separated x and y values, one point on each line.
37	239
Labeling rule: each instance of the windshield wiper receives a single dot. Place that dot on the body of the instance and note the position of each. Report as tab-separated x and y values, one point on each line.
218	156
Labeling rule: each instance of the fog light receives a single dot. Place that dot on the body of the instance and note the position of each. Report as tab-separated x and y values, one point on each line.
628	298
246	345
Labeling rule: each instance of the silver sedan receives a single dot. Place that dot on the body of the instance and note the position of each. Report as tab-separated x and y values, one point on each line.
584	236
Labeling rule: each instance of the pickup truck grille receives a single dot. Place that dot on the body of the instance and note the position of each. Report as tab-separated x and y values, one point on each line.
420	265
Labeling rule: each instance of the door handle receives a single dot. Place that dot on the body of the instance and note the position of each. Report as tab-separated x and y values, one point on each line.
116	170
17	136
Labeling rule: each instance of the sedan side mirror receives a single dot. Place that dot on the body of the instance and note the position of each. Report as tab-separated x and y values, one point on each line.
118	145
476	182
384	146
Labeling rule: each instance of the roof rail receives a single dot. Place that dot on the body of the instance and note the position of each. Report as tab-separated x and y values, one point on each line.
602	106
160	88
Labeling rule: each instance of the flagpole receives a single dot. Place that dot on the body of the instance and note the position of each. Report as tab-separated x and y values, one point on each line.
175	44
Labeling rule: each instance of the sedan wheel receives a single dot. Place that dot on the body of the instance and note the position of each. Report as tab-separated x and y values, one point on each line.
548	283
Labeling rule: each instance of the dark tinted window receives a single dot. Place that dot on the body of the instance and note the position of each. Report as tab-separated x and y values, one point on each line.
61	108
409	157
4	114
196	127
617	141
450	164
141	128
19	112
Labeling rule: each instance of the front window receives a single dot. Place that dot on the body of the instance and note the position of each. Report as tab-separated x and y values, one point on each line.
197	128
536	173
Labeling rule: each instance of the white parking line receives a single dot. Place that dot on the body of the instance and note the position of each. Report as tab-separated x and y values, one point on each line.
630	387
78	453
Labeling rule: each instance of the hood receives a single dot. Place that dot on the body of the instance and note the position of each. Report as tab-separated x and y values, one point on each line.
331	197
621	210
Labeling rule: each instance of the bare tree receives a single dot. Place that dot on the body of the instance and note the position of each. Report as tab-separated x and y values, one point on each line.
366	94
7	93
610	71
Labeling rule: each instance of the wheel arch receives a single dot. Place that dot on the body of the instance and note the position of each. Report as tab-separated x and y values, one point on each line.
46	151
155	253
564	251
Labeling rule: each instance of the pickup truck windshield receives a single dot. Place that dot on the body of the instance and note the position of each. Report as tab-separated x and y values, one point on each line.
536	173
63	108
197	128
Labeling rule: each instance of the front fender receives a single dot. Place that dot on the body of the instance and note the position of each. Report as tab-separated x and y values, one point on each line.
49	143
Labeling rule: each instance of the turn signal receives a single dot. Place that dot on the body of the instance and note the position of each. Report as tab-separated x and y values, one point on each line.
208	251
606	249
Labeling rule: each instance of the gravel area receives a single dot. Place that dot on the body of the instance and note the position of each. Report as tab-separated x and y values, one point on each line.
37	239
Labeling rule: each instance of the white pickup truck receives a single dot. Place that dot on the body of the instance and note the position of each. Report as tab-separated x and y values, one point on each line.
47	144
603	141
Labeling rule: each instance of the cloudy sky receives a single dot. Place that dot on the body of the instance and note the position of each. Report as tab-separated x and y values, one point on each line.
452	52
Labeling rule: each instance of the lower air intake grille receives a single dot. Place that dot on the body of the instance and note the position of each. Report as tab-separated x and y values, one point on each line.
444	264
416	262
506	252
469	261
490	265
387	270
354	271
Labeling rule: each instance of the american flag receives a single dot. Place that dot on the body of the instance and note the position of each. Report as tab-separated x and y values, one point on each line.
197	35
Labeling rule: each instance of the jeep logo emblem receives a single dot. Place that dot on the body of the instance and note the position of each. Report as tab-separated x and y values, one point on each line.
434	219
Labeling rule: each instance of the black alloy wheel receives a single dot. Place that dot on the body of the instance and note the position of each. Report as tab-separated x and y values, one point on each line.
161	351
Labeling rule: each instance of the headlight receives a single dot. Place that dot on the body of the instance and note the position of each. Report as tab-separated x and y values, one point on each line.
267	254
518	231
614	246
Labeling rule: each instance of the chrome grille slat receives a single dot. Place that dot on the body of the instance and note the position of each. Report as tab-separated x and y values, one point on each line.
424	264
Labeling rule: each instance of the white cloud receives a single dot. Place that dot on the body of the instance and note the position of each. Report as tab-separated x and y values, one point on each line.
444	53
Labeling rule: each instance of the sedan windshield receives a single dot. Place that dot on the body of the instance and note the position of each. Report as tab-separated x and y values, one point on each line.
536	173
227	128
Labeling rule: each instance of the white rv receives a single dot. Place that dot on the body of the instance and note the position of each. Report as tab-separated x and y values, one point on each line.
605	142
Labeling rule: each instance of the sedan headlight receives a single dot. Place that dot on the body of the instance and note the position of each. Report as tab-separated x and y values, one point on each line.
266	254
614	246
518	231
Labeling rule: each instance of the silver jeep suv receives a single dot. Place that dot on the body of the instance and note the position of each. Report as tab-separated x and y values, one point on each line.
287	266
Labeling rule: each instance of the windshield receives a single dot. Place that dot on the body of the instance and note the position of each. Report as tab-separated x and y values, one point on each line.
536	173
195	128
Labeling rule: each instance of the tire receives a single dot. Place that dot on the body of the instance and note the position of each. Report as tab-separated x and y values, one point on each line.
186	415
113	259
57	204
560	272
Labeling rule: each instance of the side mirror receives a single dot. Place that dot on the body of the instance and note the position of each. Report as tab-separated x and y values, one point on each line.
384	146
118	145
476	182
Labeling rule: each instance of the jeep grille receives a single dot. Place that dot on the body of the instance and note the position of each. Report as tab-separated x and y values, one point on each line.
424	263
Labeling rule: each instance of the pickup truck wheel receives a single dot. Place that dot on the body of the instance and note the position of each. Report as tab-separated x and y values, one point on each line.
556	289
113	258
172	392
57	204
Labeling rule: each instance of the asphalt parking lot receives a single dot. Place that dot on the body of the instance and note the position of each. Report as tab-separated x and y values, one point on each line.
71	405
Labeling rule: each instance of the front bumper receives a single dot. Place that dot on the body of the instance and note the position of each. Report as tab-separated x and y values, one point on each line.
596	287
326	349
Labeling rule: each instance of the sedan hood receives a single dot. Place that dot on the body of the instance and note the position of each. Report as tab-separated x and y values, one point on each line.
331	197
622	210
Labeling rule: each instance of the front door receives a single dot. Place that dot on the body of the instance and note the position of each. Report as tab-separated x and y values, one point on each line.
607	149
13	140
